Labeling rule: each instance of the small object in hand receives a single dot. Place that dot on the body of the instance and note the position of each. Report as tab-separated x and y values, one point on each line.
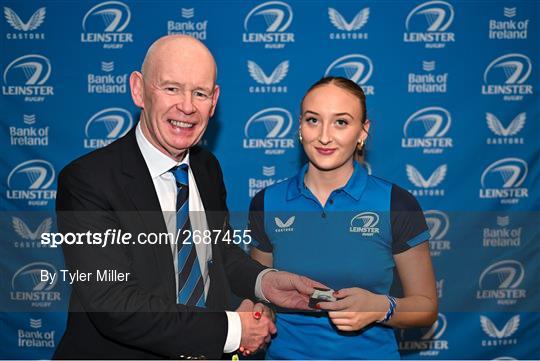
257	315
321	295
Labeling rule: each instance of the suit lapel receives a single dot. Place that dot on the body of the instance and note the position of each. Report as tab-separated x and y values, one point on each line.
140	189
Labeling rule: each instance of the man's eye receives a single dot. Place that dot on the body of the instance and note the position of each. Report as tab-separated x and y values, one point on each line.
171	89
201	95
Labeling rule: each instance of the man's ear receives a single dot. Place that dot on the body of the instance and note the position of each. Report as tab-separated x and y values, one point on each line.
136	84
214	99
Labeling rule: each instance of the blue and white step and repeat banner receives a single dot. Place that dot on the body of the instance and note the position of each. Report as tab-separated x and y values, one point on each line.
452	92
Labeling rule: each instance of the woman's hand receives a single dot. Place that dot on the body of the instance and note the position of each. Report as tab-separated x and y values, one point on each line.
355	308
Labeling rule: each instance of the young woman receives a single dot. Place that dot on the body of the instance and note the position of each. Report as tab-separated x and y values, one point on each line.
336	224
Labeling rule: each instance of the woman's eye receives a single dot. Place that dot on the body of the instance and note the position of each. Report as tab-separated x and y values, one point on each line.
341	122
311	120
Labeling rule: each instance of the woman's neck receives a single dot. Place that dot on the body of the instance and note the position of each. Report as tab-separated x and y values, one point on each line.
322	182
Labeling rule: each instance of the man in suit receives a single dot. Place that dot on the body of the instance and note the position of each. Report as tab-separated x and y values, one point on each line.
135	185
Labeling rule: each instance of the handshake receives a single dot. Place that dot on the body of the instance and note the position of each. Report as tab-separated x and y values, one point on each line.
283	289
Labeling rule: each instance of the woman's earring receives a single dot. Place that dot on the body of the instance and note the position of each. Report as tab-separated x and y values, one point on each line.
300	136
360	144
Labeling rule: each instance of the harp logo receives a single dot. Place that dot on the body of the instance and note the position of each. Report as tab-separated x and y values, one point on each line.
348	29
501	281
268	23
439	224
30	181
507	76
426	129
268	83
106	126
25	30
356	67
27	286
506	134
429	23
427	187
499	337
269	129
365	223
27	76
503	180
428	341
105	23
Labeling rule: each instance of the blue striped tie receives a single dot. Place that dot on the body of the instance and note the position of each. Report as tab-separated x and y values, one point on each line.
190	281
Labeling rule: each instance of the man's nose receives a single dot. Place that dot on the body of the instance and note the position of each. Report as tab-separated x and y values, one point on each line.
185	103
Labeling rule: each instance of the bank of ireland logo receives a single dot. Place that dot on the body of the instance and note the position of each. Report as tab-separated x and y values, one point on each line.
269	129
506	75
426	129
106	126
501	281
269	83
267	23
26	76
16	23
105	23
430	341
429	23
503	179
284	225
356	67
348	30
428	187
499	337
438	223
365	223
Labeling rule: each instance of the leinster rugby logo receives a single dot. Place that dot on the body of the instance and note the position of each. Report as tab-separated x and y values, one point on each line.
355	67
438	223
31	181
106	126
426	129
365	223
501	281
27	76
428	23
28	286
503	180
267	23
428	342
507	75
269	129
110	18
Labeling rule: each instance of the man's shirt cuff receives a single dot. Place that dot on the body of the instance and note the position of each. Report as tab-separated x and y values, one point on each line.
234	333
258	284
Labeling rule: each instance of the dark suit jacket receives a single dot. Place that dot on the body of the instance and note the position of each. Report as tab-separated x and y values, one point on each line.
111	188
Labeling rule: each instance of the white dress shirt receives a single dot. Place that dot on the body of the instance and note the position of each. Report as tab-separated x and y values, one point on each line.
159	166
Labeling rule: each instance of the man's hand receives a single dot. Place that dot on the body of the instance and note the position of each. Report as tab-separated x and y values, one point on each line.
288	290
257	326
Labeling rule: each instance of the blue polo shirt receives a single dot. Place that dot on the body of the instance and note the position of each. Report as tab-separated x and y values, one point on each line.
348	242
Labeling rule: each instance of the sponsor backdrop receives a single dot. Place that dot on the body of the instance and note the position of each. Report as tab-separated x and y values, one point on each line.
452	93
